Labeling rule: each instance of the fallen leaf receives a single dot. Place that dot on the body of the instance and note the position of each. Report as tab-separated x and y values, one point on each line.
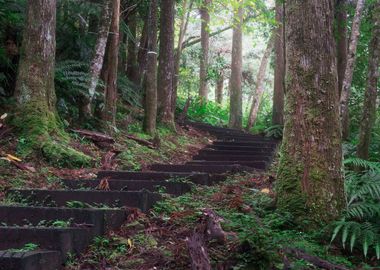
265	190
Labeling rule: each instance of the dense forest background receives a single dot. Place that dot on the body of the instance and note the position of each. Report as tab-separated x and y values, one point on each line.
263	66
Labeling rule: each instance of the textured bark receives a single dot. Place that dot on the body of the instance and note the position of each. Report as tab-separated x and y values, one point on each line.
166	64
35	91
369	108
110	91
142	55
310	182
260	84
341	19
97	60
219	88
132	66
346	88
235	85
205	43
279	70
150	84
177	59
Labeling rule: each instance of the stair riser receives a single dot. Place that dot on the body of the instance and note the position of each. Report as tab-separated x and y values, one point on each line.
255	164
47	260
231	158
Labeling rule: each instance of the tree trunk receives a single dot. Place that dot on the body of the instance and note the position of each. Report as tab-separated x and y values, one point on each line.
150	84
341	33
310	182
279	70
166	64
97	61
142	55
110	91
260	84
35	91
346	88
219	88
369	108
177	60
235	85
205	43
132	67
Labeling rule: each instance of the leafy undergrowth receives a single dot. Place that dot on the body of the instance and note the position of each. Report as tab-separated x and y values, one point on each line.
257	234
176	147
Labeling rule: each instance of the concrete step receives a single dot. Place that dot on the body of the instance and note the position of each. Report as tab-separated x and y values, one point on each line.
221	157
195	177
212	169
174	188
251	152
64	240
113	199
250	144
260	165
265	149
32	260
99	219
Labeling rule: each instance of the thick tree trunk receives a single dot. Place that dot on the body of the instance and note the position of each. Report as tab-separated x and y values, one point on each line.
205	43
260	84
346	88
110	91
35	91
177	60
132	66
235	85
150	84
166	64
219	88
279	70
341	33
310	182
369	108
97	61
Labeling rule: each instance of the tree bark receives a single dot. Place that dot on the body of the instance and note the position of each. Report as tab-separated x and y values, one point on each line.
369	107
260	85
132	66
341	18
150	84
110	91
219	88
235	85
310	182
177	59
97	61
346	88
142	55
166	64
205	43
35	91
279	70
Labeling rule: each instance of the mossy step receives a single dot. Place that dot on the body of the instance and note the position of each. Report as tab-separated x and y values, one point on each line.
212	169
112	199
31	260
131	185
197	178
64	240
99	219
260	165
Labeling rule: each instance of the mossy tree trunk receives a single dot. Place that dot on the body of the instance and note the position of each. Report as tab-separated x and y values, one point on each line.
166	64
36	116
341	36
110	79
310	182
369	107
205	43
150	83
279	70
219	87
235	84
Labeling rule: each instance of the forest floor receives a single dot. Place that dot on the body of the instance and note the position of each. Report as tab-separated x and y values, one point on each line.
254	232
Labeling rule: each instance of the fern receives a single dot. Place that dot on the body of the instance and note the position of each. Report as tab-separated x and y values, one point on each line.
275	131
362	163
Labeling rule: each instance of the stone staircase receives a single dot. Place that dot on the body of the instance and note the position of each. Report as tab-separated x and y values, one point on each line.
63	222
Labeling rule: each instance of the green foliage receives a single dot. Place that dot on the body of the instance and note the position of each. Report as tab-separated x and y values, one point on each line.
360	225
26	248
274	131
